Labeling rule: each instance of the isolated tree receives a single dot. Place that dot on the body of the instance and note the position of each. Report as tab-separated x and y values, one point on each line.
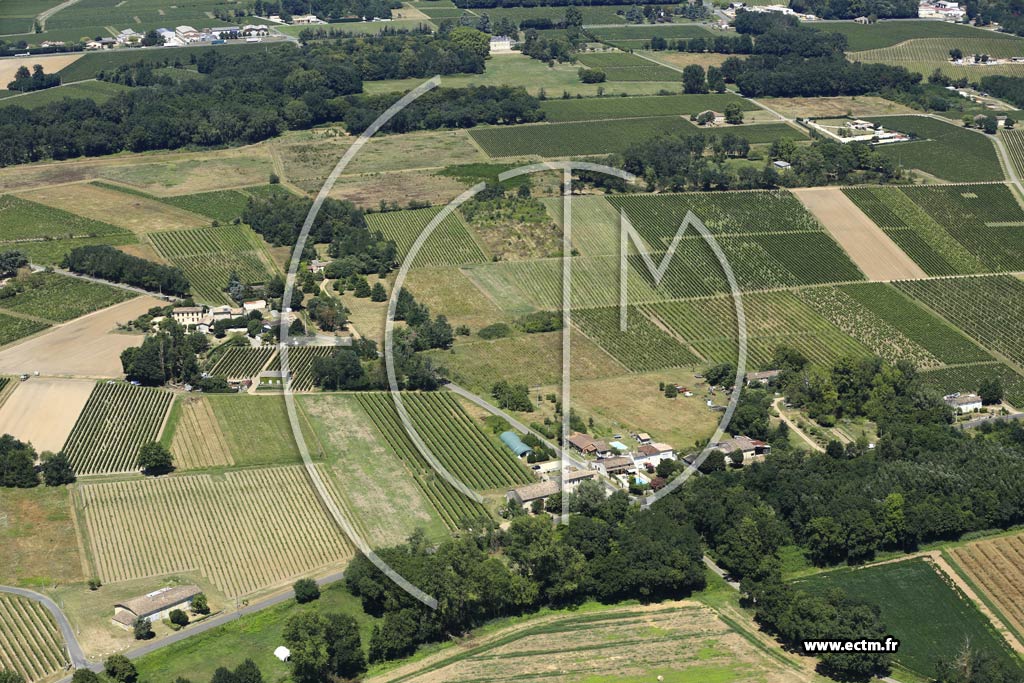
693	79
573	17
306	590
362	289
733	113
991	391
248	672
736	457
85	676
10	262
956	54
57	470
537	506
200	605
154	458
378	293
178	617
120	668
17	464
142	629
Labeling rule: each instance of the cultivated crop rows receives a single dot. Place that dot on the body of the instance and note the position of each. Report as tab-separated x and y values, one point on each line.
12	329
570	139
459	444
208	256
60	298
21	219
453	507
944	149
773	319
914	231
927	54
989	308
270	528
116	421
1014	140
300	364
622	66
242	362
30	642
997	567
198	441
643	346
450	244
968	378
922	328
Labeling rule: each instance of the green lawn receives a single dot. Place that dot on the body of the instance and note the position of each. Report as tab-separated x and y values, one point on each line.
516	69
256	428
930	618
254	637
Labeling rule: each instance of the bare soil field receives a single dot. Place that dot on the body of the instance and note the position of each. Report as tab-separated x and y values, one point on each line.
828	107
198	440
682	59
87	347
367	189
51	64
124	210
42	411
872	250
675	642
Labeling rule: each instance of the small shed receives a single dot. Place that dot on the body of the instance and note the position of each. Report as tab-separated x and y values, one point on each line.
515	444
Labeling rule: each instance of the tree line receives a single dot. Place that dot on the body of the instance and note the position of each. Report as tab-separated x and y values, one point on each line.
36	80
332	10
107	263
18	465
851	9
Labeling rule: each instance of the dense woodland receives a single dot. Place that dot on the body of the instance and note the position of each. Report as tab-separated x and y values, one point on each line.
331	10
851	9
108	263
1007	88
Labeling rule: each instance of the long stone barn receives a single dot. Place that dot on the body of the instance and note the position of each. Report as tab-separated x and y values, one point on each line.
154	606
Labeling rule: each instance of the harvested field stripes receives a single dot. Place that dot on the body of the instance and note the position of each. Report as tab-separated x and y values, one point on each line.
773	319
643	346
988	308
242	362
116	421
198	441
995	566
30	642
300	364
453	507
449	245
270	528
461	446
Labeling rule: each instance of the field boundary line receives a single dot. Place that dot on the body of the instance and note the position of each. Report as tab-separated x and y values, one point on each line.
84	557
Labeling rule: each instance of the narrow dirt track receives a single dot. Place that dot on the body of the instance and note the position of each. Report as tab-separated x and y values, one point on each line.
872	250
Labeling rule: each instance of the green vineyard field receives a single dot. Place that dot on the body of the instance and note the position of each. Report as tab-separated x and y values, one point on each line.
642	347
30	642
116	421
60	298
945	150
450	244
579	138
454	507
598	108
12	329
988	308
241	362
300	364
968	378
622	66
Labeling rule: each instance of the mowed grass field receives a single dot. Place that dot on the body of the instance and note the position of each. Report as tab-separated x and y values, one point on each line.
38	537
30	642
270	529
674	642
117	421
919	607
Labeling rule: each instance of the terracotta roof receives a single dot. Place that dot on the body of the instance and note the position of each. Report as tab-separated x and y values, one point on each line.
612	463
541	489
576	475
159	600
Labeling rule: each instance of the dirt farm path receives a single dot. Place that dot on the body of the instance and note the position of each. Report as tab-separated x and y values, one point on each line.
777	404
870	248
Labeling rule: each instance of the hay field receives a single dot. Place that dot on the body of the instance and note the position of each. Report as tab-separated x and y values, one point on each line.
50	63
42	411
30	642
270	528
37	534
121	209
996	566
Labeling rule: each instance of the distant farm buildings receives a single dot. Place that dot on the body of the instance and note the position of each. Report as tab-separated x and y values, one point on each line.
963	403
154	606
748	447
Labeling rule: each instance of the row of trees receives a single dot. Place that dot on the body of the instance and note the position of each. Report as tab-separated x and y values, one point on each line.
36	80
331	10
851	9
107	263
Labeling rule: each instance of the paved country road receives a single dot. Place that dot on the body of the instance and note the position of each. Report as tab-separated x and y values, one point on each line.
74	650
